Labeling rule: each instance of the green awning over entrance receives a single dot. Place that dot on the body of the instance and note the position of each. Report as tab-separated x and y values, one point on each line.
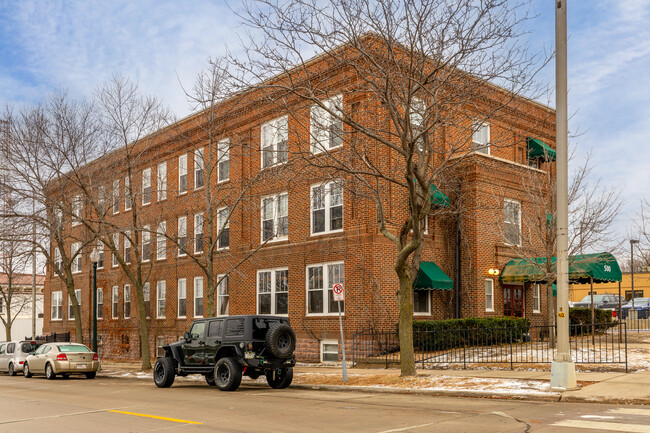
438	198
539	149
431	277
602	267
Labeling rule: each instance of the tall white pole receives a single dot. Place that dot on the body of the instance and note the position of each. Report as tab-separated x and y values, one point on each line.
563	373
34	273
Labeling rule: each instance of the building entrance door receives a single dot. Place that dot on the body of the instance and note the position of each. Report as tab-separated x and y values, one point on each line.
513	301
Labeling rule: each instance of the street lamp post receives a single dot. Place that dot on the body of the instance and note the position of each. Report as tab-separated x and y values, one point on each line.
94	257
632	242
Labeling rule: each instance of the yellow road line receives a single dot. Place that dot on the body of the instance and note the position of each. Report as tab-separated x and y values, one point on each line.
144	415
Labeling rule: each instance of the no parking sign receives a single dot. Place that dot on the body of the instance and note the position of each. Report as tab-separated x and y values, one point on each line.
339	292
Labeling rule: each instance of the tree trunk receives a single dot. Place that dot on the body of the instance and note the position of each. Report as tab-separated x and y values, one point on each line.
8	324
144	329
551	312
405	301
210	289
78	332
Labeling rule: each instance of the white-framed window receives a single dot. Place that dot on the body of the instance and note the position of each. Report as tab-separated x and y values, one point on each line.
199	168
77	210
57	306
116	242
161	181
198	233
115	301
320	279
77	295
421	302
161	241
481	137
275	217
100	303
182	174
146	294
329	350
76	256
58	216
326	129
416	116
273	291
128	246
116	196
146	243
537	306
161	297
100	255
512	221
127	193
223	155
182	298
275	142
127	301
326	208
182	236
101	199
146	186
58	260
223	225
489	294
223	297
198	296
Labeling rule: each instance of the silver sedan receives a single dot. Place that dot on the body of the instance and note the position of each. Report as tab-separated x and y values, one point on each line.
62	358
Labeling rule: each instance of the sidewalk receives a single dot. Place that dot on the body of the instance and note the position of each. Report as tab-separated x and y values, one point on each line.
606	387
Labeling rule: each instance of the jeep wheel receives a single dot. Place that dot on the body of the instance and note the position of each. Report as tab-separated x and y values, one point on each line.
163	372
227	374
281	340
279	378
209	378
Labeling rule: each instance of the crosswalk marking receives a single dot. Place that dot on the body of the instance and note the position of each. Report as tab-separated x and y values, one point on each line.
630	411
599	425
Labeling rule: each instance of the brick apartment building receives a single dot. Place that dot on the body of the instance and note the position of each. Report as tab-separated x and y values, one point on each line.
308	231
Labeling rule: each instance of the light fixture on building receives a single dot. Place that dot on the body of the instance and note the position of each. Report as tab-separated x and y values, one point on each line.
494	272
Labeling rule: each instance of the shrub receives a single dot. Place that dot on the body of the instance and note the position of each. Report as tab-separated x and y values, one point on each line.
580	320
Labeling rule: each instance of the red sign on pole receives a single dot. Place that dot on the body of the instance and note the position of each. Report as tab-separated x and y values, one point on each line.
339	292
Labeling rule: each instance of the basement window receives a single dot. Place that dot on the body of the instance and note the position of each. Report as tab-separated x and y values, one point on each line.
329	350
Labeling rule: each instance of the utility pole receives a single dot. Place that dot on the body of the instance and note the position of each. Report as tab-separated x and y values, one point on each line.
632	242
34	273
563	372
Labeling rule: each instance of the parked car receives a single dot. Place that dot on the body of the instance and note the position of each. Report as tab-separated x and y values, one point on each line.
13	355
641	305
605	301
225	348
65	359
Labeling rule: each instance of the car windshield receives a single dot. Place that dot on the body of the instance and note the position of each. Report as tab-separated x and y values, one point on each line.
639	301
597	298
73	348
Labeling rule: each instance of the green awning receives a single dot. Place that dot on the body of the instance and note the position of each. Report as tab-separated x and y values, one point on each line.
602	267
539	149
431	277
438	198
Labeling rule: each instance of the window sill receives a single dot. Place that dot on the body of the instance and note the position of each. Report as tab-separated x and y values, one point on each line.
223	181
160	259
319	315
422	314
56	320
181	317
326	233
182	192
489	311
198	188
316	152
223	249
277	164
160	318
146	204
275	240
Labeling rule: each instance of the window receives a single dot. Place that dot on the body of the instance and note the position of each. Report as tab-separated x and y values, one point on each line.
100	303
58	216
326	208
76	257
161	295
146	186
146	294
182	174
100	252
161	240
416	115
77	295
182	236
57	306
161	181
127	193
198	233
116	196
58	261
116	243
182	295
101	199
320	279
275	139
223	225
127	301
275	219
512	221
326	129
536	299
223	155
198	297
77	210
128	246
222	295
329	350
146	243
116	298
489	294
481	137
273	291
199	165
422	302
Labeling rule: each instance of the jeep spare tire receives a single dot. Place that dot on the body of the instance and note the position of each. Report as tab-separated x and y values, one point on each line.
281	340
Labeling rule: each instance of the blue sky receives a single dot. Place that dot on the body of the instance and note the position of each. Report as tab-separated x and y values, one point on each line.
76	45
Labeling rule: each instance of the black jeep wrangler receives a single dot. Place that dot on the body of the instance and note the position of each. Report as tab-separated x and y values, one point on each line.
225	348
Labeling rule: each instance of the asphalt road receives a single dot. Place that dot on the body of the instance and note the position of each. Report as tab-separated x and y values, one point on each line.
132	405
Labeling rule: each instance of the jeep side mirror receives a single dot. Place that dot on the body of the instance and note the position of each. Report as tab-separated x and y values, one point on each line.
187	336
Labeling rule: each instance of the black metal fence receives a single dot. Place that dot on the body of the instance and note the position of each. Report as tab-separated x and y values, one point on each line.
456	347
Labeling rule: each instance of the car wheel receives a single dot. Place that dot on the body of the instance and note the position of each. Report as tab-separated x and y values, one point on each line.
209	378
227	374
12	371
65	375
280	378
49	372
163	372
281	340
91	375
26	371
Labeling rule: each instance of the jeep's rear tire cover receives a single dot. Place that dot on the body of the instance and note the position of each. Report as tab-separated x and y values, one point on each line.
281	340
280	378
163	372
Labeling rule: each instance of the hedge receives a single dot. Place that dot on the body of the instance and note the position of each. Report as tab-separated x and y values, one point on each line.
487	331
603	320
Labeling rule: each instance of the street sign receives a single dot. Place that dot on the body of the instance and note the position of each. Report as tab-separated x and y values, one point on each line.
339	292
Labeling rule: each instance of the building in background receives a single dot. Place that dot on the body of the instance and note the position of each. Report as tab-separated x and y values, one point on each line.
22	306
